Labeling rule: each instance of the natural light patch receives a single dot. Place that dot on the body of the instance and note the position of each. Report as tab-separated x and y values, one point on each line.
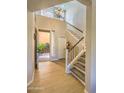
53	12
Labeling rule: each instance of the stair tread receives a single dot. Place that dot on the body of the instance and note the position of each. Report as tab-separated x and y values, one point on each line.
82	60
78	74
81	63
80	66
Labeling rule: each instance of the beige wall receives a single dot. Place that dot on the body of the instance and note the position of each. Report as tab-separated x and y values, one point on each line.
93	45
34	5
30	46
91	48
58	26
46	23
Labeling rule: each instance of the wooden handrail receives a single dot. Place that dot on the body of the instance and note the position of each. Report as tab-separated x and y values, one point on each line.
75	27
76	44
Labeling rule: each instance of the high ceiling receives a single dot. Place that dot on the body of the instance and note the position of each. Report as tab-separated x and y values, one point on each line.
50	12
64	6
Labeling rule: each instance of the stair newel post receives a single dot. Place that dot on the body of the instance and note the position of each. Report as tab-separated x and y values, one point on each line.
71	56
67	70
73	53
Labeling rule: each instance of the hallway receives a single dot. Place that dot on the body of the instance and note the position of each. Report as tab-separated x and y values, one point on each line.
51	78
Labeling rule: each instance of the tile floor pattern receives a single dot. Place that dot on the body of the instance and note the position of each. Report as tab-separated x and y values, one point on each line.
51	78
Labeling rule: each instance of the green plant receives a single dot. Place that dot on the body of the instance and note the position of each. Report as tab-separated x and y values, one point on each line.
40	47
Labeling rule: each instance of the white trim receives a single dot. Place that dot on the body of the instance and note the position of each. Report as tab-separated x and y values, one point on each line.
72	35
67	70
85	91
76	58
78	78
80	69
31	79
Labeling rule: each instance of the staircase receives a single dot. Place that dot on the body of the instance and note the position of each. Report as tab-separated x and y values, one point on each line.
78	69
75	60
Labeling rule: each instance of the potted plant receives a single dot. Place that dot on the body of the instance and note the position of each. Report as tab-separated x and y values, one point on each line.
40	48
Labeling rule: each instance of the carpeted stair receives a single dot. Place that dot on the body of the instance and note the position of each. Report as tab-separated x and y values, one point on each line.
78	69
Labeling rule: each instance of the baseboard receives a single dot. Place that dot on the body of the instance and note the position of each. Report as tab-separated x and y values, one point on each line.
57	59
85	91
31	79
61	59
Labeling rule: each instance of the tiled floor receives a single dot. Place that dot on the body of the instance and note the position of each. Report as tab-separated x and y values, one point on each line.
43	57
51	78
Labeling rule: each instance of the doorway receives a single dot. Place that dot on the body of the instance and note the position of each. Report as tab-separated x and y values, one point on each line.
43	45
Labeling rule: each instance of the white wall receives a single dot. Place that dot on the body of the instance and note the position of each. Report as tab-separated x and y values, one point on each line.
61	47
30	46
53	45
76	15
